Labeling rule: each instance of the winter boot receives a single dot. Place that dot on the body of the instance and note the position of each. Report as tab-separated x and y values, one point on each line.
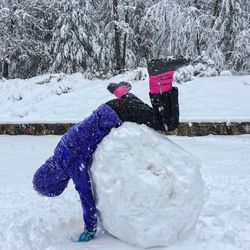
119	89
166	107
161	73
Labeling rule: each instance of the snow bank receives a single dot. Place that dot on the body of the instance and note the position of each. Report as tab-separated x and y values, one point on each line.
149	190
70	98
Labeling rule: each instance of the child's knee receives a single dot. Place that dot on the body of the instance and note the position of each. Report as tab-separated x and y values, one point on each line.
173	125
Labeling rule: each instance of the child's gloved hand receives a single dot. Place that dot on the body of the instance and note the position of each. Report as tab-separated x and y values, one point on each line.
86	236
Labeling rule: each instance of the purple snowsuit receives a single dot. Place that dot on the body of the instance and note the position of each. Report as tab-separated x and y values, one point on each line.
72	159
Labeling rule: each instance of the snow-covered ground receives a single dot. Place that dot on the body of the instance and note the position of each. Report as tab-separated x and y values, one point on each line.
70	98
32	222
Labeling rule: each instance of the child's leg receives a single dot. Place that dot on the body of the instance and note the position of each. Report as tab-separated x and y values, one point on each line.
131	109
166	107
163	96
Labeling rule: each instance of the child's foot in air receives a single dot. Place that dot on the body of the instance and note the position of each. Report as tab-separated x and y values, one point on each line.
158	66
119	89
112	87
161	73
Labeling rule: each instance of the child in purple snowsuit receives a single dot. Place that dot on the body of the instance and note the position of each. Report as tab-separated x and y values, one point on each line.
73	154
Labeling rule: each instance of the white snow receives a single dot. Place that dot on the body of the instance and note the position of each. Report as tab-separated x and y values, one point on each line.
29	221
226	73
151	193
70	98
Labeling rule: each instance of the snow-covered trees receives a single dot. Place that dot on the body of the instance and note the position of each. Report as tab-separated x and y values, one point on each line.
116	36
179	29
240	57
144	30
23	36
233	24
74	35
102	38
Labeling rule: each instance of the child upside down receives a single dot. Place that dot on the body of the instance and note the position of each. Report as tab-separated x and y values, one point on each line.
73	154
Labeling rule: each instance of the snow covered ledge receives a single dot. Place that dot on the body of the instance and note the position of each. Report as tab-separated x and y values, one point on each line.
185	128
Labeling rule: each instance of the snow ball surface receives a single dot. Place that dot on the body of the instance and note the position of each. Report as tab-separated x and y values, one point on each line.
149	190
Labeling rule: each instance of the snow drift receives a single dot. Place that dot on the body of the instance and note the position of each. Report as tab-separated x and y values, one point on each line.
149	190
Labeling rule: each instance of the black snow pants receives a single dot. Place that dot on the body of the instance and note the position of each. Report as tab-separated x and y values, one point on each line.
163	115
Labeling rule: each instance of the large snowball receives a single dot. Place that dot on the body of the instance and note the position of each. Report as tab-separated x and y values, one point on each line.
149	190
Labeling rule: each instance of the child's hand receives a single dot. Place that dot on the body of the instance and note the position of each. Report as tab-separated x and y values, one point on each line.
86	236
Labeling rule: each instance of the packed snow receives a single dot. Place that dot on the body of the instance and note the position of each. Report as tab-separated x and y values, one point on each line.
151	193
70	98
29	221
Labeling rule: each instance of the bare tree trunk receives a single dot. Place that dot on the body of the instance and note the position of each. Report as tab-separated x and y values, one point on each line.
5	69
125	45
197	4
228	39
198	44
117	38
124	51
216	10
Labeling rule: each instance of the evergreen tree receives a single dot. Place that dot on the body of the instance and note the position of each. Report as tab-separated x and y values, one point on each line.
23	35
103	38
179	29
143	33
73	37
232	24
117	37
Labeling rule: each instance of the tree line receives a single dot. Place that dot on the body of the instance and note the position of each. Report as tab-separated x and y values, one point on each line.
104	37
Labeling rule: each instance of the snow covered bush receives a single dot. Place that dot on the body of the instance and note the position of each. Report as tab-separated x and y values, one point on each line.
139	74
184	74
204	66
201	66
226	73
149	190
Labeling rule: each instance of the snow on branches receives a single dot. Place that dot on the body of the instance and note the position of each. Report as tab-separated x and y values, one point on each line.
103	38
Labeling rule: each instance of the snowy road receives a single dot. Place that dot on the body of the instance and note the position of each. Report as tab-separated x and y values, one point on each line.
31	222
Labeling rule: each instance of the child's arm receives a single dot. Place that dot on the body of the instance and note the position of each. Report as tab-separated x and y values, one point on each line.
80	176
